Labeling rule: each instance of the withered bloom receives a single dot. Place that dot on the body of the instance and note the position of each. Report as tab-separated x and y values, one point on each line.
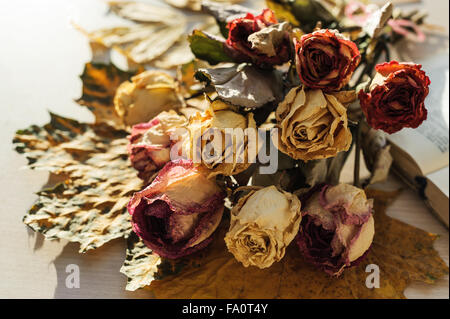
178	212
263	223
397	97
326	60
313	124
151	142
215	139
337	228
148	94
260	39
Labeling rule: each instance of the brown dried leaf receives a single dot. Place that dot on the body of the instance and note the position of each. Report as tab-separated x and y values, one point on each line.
403	253
100	82
89	207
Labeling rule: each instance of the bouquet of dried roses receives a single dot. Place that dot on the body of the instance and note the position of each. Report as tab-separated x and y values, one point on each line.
252	135
294	80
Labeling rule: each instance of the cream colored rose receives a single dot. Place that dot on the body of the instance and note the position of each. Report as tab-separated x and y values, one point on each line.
263	223
215	140
313	124
148	94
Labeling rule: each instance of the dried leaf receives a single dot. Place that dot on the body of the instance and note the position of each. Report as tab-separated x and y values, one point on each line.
141	43
376	153
402	252
144	12
195	5
303	13
89	207
208	47
140	265
244	85
100	82
378	20
180	53
223	13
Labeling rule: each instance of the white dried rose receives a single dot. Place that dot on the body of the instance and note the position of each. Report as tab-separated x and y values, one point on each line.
263	223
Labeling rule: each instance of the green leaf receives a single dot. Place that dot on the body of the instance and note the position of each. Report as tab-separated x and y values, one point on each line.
208	47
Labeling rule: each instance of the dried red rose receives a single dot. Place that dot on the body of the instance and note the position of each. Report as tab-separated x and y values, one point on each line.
150	143
260	39
396	98
178	212
337	227
326	60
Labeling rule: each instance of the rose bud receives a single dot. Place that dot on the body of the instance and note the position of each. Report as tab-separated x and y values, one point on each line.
260	39
178	212
150	143
313	124
326	60
396	98
337	227
148	94
262	225
213	142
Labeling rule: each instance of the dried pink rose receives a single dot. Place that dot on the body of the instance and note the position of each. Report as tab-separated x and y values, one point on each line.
150	143
337	227
179	211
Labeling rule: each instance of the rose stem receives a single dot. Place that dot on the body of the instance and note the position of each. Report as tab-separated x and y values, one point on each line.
357	155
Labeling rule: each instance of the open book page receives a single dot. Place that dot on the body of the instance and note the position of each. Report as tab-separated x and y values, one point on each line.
440	178
429	143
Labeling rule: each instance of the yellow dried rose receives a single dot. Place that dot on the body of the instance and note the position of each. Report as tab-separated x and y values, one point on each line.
218	139
263	223
148	94
313	124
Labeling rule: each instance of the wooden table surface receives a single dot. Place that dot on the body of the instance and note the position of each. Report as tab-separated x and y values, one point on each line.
41	57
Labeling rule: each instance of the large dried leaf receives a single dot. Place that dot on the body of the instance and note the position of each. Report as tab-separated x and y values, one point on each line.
100	82
89	206
402	252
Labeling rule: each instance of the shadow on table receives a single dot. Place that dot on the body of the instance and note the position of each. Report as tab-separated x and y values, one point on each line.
98	270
